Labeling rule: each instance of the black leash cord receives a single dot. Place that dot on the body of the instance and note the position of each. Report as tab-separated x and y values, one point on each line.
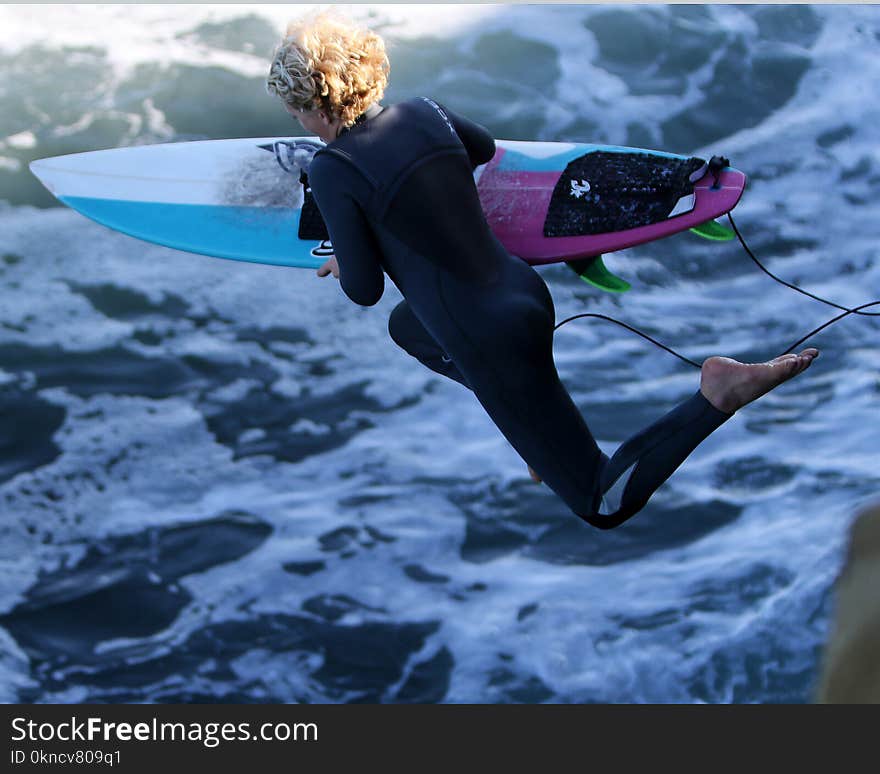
633	330
856	310
846	310
790	285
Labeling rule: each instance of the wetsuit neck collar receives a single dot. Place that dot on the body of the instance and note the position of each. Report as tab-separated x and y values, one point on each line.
371	112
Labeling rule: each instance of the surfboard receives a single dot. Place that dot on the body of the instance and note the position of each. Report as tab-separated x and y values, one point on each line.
248	199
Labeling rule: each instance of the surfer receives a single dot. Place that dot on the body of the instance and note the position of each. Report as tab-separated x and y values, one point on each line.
396	189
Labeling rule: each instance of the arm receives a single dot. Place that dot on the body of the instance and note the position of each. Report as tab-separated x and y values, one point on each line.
354	244
477	141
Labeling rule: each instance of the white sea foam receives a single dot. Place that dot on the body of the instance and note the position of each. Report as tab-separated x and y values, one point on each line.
143	32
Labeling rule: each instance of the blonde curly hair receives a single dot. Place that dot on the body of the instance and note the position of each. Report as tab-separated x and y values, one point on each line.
327	62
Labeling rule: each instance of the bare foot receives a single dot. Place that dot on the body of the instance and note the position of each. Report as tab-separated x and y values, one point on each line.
535	477
729	385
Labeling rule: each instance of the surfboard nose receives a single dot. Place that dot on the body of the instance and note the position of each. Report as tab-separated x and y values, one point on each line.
40	169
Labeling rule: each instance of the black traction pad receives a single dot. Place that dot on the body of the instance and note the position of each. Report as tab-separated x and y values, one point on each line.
311	222
605	191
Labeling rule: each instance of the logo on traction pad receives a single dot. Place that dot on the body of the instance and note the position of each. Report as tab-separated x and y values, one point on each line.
580	188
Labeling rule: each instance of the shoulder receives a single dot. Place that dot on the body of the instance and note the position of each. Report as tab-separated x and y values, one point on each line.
335	173
325	167
425	104
418	105
440	112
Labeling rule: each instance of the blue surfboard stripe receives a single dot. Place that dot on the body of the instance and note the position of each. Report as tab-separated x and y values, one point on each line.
514	161
230	232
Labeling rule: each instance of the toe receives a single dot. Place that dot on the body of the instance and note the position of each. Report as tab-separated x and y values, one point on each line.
805	359
784	359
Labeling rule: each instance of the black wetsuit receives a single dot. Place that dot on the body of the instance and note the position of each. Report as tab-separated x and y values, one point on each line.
398	196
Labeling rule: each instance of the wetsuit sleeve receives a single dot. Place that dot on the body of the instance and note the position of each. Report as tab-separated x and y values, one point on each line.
477	141
354	244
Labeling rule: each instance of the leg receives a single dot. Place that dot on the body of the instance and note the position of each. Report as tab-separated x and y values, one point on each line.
550	434
645	461
537	416
410	335
541	422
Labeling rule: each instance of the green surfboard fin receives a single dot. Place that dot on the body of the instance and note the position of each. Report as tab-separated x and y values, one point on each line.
594	271
714	231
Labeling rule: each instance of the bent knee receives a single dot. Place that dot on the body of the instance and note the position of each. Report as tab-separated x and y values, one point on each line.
605	521
599	520
592	512
402	326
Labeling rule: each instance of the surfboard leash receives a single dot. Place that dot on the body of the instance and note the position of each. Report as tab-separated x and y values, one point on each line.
845	311
632	330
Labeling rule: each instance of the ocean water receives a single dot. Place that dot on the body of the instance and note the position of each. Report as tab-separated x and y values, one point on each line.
222	482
